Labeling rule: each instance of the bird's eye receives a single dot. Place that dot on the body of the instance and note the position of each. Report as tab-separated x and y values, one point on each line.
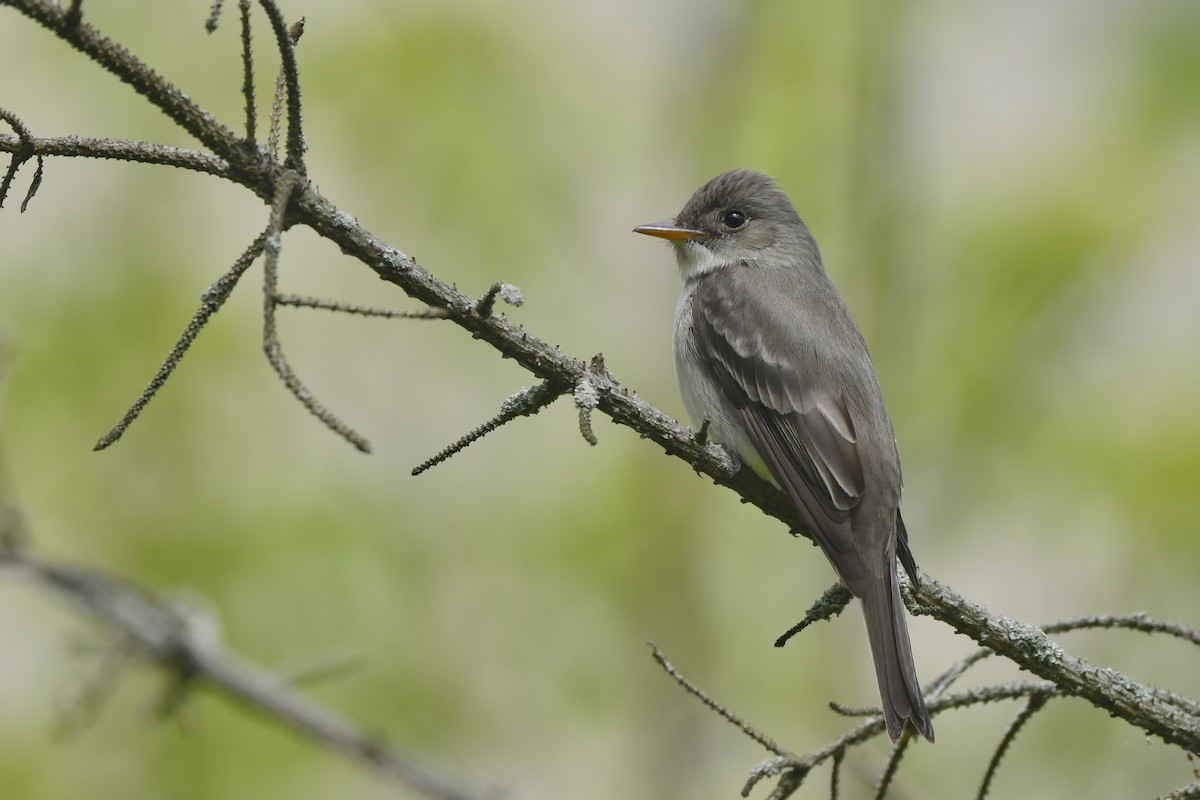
733	220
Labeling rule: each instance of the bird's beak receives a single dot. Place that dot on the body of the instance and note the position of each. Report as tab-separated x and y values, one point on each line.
667	229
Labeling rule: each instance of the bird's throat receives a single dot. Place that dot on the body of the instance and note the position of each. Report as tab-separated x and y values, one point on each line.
696	260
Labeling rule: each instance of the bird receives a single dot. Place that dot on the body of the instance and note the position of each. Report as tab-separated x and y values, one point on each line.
772	366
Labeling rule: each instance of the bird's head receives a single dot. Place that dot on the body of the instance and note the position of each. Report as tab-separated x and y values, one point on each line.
738	217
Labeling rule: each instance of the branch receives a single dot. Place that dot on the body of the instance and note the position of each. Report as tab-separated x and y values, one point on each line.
1032	649
117	60
210	303
120	150
186	644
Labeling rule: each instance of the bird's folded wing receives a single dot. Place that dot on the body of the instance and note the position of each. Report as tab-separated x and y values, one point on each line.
802	431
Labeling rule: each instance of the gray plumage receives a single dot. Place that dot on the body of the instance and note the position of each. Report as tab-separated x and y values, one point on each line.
767	353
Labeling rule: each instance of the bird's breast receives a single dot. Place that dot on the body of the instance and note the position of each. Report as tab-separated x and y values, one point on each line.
703	399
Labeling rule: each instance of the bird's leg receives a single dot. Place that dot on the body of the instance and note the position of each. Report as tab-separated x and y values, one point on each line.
701	437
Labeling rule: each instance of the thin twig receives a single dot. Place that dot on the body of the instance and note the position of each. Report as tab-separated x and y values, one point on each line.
831	603
275	122
210	303
271	346
291	79
1031	707
875	726
746	728
320	668
114	58
248	72
893	764
1134	622
942	683
121	150
214	14
80	710
26	149
522	404
363	311
505	291
835	774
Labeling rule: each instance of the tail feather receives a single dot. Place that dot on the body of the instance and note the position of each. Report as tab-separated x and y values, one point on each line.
887	630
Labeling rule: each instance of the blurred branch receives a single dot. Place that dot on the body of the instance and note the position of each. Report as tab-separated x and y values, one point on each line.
185	642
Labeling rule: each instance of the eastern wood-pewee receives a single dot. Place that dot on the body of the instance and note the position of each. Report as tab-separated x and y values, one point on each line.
767	354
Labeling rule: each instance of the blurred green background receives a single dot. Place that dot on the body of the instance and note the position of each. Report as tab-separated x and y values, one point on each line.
1006	194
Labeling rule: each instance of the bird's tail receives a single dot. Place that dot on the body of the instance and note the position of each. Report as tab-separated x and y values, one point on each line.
887	630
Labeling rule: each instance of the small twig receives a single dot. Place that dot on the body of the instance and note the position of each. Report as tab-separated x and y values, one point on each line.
789	782
831	603
791	776
290	182
25	150
522	404
210	303
82	709
121	150
323	667
248	72
835	773
1189	792
505	291
1031	707
694	690
893	764
874	727
1134	622
432	312
285	40
214	14
942	683
276	120
968	697
854	711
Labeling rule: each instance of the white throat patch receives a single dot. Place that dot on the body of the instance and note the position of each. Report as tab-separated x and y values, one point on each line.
696	260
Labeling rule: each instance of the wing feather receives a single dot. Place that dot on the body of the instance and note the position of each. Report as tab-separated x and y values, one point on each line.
801	429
